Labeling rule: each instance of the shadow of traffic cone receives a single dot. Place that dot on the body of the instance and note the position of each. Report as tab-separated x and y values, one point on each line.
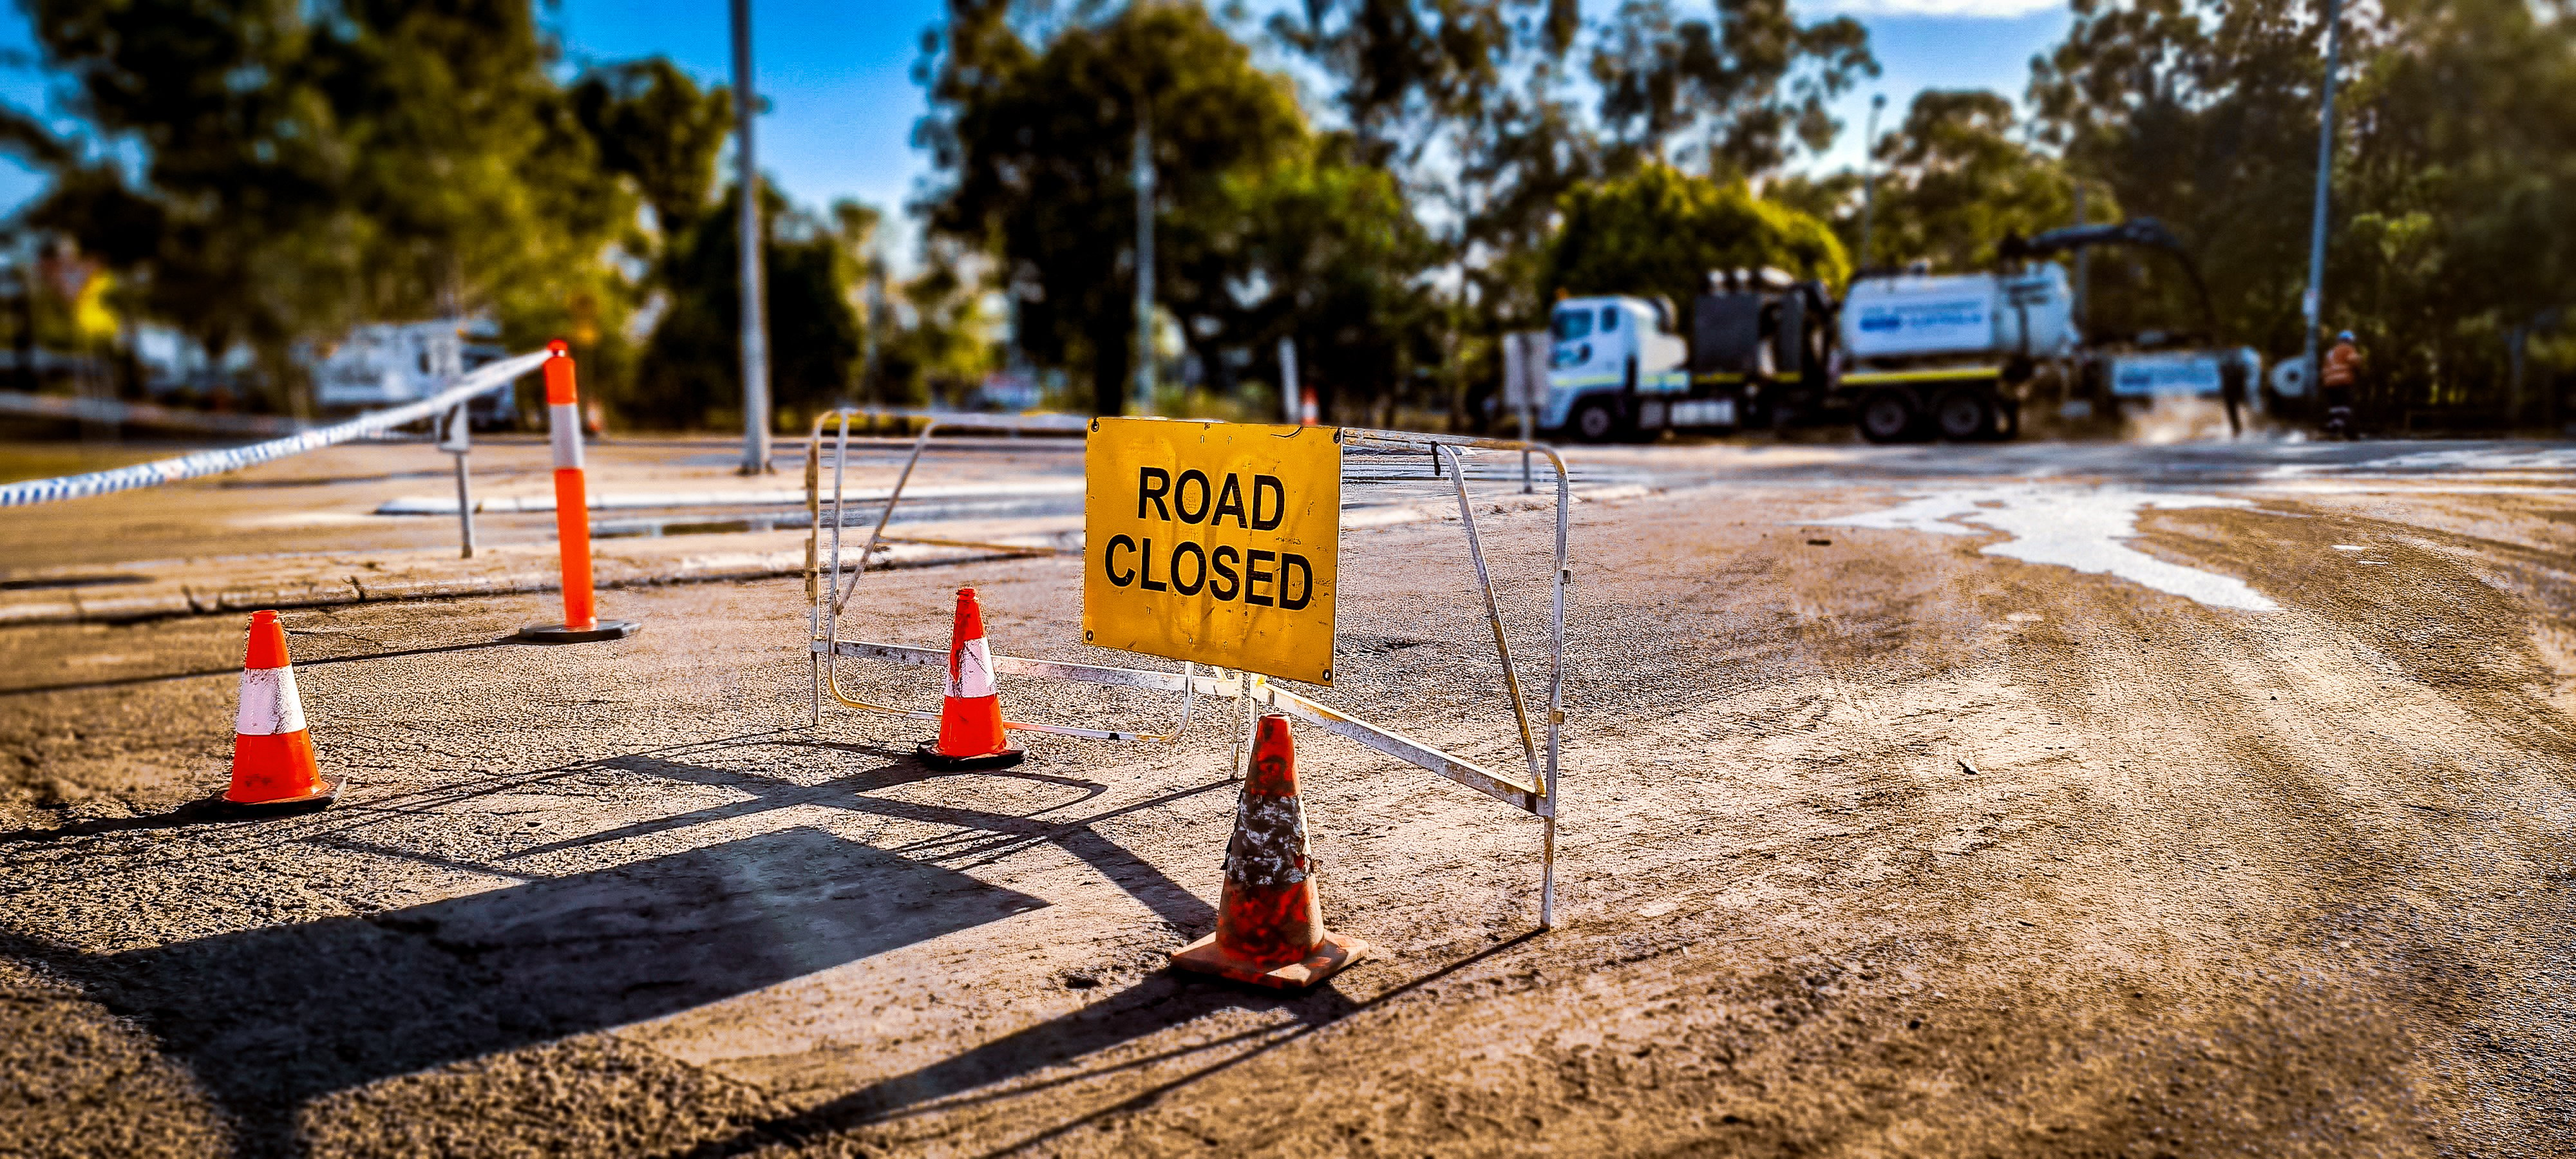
1270	925
970	717
273	765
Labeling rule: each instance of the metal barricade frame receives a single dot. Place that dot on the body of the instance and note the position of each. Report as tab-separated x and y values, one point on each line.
1536	795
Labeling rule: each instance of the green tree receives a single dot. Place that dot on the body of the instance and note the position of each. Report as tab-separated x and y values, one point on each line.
2456	143
1953	180
1742	88
939	340
656	126
2205	119
1037	142
308	167
691	374
1660	232
1323	250
1485	117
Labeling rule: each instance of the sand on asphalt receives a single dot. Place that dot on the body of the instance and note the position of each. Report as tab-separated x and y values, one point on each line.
1874	843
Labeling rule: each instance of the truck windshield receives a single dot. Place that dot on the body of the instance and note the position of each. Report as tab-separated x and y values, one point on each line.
1573	324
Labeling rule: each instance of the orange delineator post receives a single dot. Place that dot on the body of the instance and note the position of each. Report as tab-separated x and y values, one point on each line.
572	495
581	620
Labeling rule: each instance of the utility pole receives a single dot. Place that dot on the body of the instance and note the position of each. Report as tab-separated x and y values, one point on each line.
755	321
1144	389
1868	178
2083	262
880	320
1288	397
2312	305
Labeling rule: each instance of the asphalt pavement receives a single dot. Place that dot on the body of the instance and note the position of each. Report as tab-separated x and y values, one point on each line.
2042	798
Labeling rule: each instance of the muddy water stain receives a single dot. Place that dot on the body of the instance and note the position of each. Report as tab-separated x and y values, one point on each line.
2082	528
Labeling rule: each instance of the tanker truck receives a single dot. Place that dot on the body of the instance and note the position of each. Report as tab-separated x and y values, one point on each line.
1767	350
1903	356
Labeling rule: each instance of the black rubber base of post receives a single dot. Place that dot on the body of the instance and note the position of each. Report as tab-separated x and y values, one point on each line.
931	756
559	634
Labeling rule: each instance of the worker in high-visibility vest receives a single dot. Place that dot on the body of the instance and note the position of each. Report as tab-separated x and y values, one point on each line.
2335	380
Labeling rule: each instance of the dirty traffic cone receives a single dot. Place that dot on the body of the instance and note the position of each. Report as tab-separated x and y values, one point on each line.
1270	926
273	766
970	719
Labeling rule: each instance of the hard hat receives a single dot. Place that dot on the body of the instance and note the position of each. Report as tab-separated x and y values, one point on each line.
2346	336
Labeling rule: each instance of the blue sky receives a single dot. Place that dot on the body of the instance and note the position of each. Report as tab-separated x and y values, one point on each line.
838	75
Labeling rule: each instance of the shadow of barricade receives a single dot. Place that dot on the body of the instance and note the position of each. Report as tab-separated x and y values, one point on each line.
1077	1047
271	1018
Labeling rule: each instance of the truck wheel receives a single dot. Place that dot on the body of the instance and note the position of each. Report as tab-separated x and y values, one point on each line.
1962	415
1596	422
1887	417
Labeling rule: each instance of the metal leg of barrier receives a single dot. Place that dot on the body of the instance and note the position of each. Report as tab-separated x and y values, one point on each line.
840	596
1493	610
1555	696
876	535
813	569
1400	440
1251	721
457	443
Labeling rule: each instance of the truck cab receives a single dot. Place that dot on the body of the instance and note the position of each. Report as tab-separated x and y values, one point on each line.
1612	362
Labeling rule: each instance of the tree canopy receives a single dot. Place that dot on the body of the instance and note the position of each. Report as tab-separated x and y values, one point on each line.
2454	154
304	169
1391	183
1659	232
1040	143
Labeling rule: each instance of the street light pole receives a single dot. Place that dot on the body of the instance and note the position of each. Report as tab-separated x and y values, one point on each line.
1868	178
1144	389
2312	305
755	322
2083	260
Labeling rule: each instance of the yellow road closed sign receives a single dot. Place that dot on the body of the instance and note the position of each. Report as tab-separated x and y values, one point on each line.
1213	542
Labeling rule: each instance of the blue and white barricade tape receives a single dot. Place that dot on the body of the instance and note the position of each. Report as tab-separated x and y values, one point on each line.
492	377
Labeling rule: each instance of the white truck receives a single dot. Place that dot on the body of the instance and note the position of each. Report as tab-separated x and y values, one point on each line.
1903	355
386	364
1617	370
1764	348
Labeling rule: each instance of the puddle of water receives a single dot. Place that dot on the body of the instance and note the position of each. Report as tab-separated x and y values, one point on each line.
2081	528
2477	459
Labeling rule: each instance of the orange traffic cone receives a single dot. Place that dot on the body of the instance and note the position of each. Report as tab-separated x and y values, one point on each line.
970	719
1307	414
273	766
1270	926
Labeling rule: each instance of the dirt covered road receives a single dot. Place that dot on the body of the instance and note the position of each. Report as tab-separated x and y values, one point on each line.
2025	801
